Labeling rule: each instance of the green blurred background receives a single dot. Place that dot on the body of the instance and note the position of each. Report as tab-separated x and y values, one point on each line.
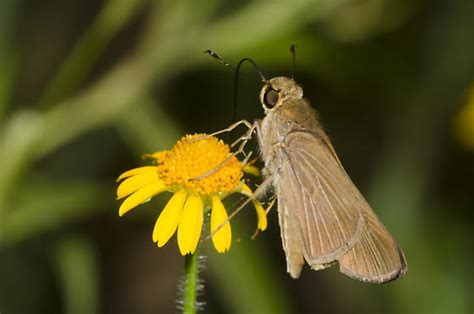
87	87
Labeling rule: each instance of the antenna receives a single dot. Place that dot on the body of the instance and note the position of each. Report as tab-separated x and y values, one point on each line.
293	54
236	77
218	58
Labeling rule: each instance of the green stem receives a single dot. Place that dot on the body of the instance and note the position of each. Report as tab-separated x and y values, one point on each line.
191	283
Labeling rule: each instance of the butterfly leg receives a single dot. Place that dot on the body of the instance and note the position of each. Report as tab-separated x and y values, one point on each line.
267	210
258	192
228	129
243	141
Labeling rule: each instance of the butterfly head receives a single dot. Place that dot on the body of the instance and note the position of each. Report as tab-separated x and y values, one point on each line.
279	90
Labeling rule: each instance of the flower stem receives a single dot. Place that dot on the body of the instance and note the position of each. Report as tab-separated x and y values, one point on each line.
191	283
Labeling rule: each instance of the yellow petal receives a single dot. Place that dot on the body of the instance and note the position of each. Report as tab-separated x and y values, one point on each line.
262	216
167	222
157	155
141	196
136	182
190	224
136	171
248	168
222	238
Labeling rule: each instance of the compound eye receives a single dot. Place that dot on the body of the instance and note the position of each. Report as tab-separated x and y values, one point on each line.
271	98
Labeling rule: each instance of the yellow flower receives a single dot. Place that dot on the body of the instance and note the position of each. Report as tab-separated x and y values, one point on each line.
189	171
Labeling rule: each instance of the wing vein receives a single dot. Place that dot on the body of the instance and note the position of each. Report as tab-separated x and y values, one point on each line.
377	254
331	189
305	207
331	206
364	253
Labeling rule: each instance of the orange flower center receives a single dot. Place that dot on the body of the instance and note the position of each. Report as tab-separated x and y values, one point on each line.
191	158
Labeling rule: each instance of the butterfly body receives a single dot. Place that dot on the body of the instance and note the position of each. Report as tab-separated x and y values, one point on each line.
323	217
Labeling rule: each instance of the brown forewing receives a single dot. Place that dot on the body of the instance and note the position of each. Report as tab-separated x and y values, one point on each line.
321	207
318	199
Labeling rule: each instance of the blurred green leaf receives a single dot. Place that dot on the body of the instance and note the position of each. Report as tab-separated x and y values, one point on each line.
17	149
78	275
44	205
147	128
113	16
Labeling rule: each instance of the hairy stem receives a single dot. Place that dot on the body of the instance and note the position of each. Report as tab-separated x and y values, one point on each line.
191	282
